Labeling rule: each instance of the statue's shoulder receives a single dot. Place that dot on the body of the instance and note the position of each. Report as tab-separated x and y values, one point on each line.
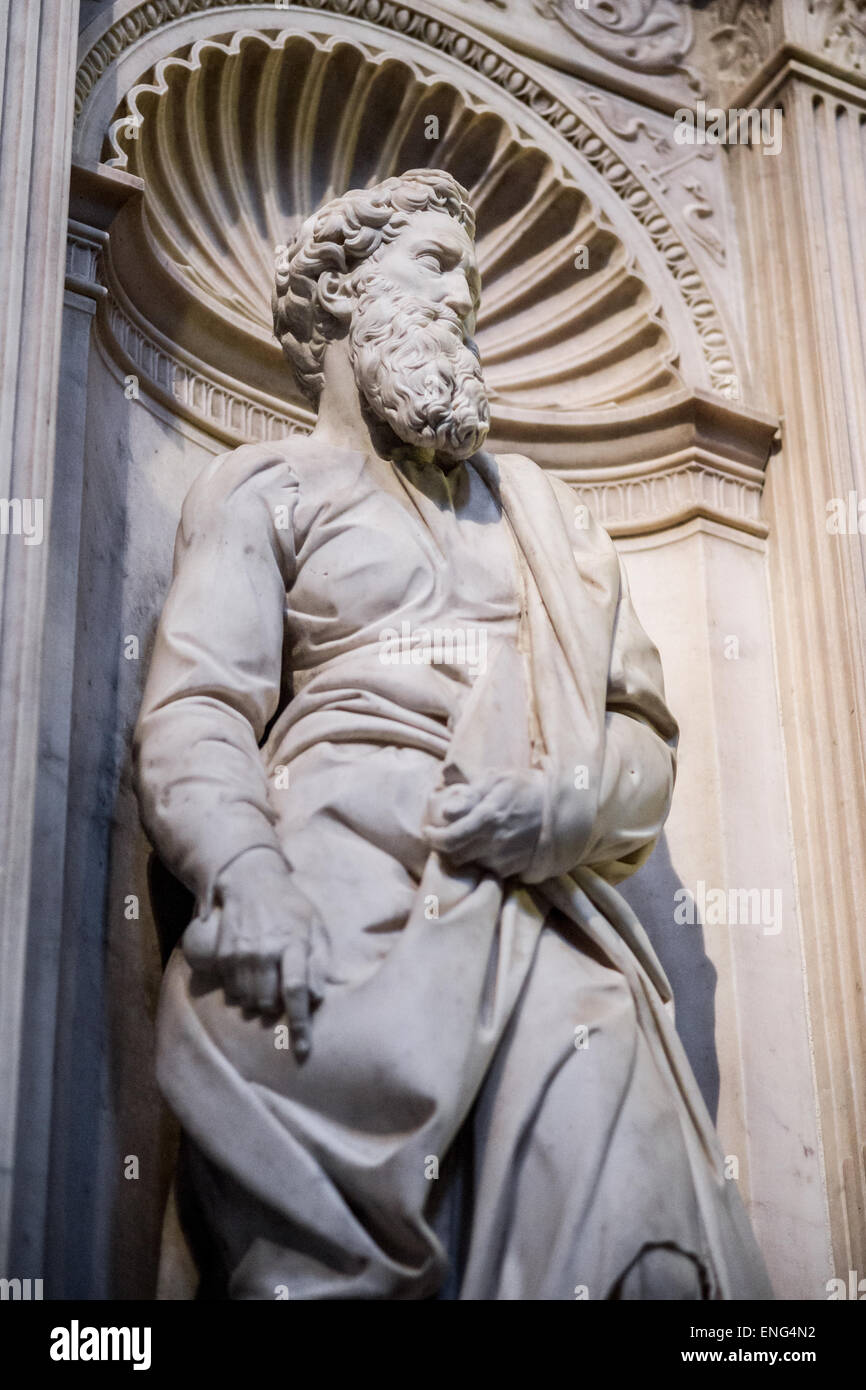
244	471
536	485
520	470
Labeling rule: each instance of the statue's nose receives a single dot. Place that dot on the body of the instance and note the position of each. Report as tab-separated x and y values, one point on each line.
458	297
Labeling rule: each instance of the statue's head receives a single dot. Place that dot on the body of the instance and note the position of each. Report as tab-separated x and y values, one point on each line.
392	270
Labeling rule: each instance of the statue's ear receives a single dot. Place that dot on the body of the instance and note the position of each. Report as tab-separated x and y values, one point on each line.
336	296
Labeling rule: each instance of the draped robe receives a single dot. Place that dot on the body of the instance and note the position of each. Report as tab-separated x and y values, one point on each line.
496	1105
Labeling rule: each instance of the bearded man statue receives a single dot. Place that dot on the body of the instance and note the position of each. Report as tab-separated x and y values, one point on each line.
418	1045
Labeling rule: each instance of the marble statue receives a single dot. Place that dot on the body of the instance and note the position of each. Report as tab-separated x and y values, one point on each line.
401	737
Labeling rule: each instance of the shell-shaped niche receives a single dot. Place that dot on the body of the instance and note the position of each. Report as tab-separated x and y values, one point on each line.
238	140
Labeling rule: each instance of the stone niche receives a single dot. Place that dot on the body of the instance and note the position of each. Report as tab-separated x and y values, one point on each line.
204	132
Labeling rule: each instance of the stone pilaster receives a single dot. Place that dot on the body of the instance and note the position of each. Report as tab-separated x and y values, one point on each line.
56	990
36	107
803	219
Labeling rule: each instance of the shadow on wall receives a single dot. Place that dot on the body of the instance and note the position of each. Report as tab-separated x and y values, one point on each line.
113	1140
108	1128
650	892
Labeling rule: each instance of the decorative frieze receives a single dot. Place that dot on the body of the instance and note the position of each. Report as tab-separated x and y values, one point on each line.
646	36
740	38
843	31
672	493
669	169
227	412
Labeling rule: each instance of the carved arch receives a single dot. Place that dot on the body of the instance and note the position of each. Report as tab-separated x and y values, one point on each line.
573	357
516	118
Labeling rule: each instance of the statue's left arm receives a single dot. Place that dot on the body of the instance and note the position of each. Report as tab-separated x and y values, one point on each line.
639	764
608	813
613	827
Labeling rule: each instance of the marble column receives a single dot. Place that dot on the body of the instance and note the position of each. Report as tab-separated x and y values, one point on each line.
803	216
36	95
61	995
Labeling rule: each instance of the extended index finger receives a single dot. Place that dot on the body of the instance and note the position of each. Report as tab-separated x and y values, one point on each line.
296	997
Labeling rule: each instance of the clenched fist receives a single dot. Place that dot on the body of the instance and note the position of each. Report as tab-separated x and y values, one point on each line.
494	822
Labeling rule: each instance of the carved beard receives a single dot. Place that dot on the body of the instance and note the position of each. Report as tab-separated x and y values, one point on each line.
415	371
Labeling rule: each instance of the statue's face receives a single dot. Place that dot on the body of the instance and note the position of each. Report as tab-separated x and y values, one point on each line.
410	338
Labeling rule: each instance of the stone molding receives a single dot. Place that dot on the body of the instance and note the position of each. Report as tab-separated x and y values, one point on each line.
675	490
84	247
214	403
791	61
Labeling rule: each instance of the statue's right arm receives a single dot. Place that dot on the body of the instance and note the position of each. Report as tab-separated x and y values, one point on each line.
214	677
213	685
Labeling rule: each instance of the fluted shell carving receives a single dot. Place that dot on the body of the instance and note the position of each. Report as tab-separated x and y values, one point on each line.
238	141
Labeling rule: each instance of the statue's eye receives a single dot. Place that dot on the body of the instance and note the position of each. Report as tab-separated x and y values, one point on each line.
430	259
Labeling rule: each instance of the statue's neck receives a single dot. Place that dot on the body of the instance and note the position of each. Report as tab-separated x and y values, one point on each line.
344	423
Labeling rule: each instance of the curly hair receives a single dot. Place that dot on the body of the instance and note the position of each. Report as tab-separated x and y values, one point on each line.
341	236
